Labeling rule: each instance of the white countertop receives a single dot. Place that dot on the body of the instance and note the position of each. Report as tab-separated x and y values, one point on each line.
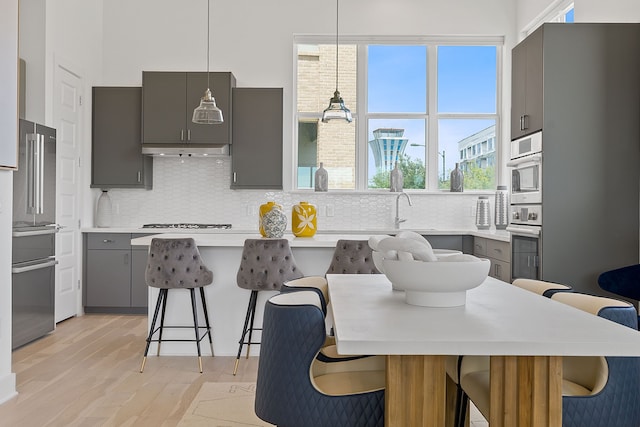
237	240
500	235
498	319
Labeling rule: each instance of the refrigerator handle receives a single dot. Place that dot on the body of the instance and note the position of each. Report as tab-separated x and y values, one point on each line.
31	173
17	270
41	183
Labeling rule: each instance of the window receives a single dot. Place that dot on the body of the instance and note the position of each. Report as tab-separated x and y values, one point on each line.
397	120
332	143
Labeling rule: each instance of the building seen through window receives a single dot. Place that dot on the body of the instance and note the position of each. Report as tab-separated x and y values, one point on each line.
400	122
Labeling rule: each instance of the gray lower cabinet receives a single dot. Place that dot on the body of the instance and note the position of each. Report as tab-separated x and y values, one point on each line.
498	252
256	160
462	243
114	274
116	150
139	288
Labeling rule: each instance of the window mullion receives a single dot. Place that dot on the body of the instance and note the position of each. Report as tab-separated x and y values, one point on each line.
432	118
361	119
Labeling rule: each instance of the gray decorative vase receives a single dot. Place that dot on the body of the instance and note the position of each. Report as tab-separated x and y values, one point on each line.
274	223
396	180
104	210
456	180
321	179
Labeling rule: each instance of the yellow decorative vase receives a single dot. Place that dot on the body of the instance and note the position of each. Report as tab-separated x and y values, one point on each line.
265	209
303	220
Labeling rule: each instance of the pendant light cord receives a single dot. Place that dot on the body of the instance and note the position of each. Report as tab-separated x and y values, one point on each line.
337	14
208	29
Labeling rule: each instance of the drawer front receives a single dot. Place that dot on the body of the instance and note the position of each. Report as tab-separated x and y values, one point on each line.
109	241
500	270
499	250
480	246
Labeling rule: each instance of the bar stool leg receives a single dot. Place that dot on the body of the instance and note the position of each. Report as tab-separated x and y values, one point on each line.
153	325
206	318
244	329
165	293
194	309
253	318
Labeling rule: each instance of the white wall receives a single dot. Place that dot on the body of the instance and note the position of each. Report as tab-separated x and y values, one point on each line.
609	11
8	134
530	12
254	40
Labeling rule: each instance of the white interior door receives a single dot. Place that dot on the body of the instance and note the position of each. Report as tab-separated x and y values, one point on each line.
67	118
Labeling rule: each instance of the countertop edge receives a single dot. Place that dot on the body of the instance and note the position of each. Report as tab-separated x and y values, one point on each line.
493	234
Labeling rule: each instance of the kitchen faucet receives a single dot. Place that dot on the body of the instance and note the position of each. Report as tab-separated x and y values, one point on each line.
398	220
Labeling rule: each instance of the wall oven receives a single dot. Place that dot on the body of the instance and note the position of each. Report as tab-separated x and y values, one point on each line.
526	207
526	241
526	169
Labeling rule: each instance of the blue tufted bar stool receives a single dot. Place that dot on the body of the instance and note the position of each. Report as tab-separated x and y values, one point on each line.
265	265
176	264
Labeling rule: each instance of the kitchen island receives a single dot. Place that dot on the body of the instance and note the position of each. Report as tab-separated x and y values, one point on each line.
221	250
227	303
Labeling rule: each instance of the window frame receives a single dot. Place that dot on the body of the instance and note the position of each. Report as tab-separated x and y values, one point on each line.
431	117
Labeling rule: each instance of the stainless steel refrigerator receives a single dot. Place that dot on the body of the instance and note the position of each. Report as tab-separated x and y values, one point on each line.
33	237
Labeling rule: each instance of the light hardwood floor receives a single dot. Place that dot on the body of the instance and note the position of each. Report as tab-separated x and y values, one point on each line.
86	373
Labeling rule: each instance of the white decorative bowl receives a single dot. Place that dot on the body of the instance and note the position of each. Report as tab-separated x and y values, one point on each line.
436	284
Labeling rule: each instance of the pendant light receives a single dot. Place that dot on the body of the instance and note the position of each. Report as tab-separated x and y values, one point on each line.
336	108
207	113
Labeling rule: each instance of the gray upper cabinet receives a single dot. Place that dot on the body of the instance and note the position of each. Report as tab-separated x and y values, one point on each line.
257	138
116	156
527	86
168	101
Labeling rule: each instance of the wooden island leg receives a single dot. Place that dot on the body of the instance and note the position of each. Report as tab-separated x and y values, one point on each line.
526	391
415	391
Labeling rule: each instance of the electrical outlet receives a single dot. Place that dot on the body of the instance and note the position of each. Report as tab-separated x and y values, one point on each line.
330	210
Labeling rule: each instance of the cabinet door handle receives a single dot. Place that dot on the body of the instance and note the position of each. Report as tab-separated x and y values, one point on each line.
126	259
235	177
188	134
107	241
525	124
181	134
139	176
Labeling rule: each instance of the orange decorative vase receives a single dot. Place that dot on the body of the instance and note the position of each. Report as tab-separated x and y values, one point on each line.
265	209
303	220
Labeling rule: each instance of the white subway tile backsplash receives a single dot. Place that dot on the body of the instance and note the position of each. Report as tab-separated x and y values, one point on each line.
197	190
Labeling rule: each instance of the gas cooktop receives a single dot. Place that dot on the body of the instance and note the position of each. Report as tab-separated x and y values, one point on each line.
188	226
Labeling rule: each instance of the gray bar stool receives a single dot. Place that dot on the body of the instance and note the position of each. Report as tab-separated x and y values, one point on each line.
265	265
176	264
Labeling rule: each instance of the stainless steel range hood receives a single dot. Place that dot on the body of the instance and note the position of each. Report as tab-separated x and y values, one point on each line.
186	150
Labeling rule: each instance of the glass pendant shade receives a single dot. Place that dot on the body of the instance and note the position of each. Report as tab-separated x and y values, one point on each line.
207	113
336	110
